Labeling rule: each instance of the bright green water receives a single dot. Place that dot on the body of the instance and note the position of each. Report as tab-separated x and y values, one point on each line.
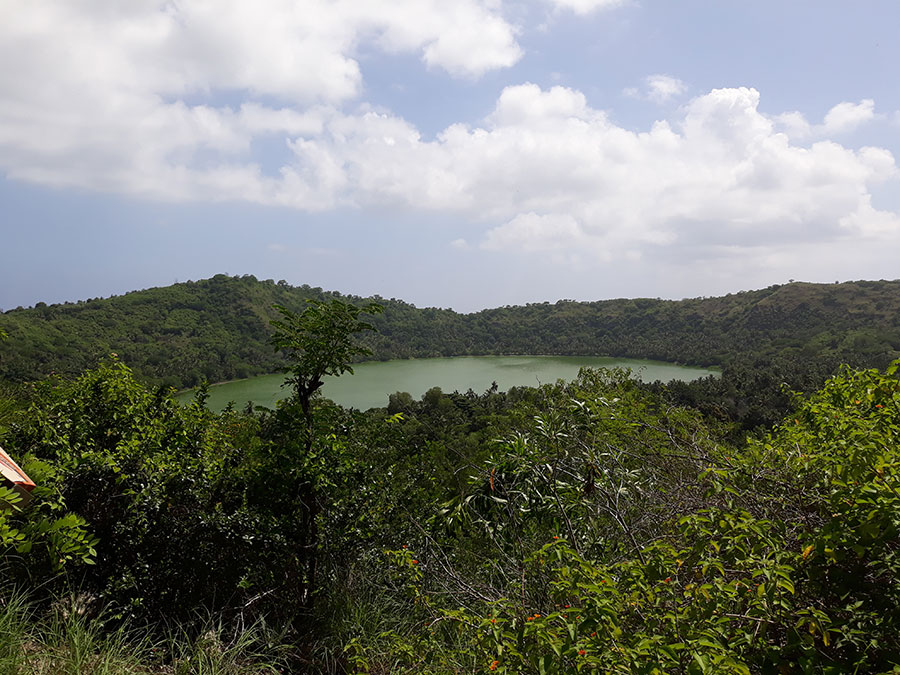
373	381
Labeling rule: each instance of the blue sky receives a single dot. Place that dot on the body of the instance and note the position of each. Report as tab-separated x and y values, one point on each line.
468	154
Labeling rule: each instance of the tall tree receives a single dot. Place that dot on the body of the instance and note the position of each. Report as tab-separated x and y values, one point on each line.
318	342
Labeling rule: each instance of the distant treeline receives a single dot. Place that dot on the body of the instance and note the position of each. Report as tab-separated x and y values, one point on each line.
218	329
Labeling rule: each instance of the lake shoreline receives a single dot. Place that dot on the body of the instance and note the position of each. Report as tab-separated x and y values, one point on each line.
373	381
712	367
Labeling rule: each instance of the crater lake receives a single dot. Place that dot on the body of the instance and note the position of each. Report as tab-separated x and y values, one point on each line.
373	381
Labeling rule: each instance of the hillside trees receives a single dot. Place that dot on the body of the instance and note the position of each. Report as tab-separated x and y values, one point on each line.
600	525
218	329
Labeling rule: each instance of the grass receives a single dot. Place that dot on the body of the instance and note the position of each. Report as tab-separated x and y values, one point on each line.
216	651
64	640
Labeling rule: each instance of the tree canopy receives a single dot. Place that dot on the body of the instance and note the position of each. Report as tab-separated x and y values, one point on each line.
318	342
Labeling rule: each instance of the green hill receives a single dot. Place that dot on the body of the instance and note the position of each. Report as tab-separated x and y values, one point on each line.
217	329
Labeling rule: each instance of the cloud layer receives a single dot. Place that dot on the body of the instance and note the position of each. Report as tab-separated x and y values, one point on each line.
166	100
548	171
99	93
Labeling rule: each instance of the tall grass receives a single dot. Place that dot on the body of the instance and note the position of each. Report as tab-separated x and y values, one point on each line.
15	618
216	650
64	640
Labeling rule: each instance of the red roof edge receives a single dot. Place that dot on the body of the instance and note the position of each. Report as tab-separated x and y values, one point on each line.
12	473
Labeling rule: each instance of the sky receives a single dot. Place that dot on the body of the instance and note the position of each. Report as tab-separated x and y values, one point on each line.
464	154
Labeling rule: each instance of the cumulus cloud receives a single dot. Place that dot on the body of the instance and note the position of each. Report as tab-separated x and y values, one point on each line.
658	89
843	118
546	171
101	97
533	232
848	116
100	93
664	87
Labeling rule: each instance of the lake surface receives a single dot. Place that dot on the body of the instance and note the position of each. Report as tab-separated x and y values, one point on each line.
373	381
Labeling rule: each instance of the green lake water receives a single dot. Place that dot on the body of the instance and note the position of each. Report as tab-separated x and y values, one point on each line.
373	381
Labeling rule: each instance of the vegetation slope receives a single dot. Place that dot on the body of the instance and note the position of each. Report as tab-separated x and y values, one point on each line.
584	527
218	329
597	526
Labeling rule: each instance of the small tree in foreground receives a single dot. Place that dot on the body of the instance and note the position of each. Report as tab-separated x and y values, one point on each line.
319	342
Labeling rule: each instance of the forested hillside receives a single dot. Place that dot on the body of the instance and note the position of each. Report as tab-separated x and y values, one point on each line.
218	329
601	525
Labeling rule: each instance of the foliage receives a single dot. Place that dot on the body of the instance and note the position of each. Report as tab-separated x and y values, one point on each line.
161	485
600	525
40	538
39	535
318	343
787	564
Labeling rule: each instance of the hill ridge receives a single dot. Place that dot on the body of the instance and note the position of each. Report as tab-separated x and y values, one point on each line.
217	329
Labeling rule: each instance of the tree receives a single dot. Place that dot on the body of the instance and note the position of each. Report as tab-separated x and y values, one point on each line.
319	342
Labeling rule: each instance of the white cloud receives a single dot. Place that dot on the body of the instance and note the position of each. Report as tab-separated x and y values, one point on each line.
664	87
100	93
841	119
870	221
587	6
658	89
794	124
533	232
846	116
101	98
548	172
472	42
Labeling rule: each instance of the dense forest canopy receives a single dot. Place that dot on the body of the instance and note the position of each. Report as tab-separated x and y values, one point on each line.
218	329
